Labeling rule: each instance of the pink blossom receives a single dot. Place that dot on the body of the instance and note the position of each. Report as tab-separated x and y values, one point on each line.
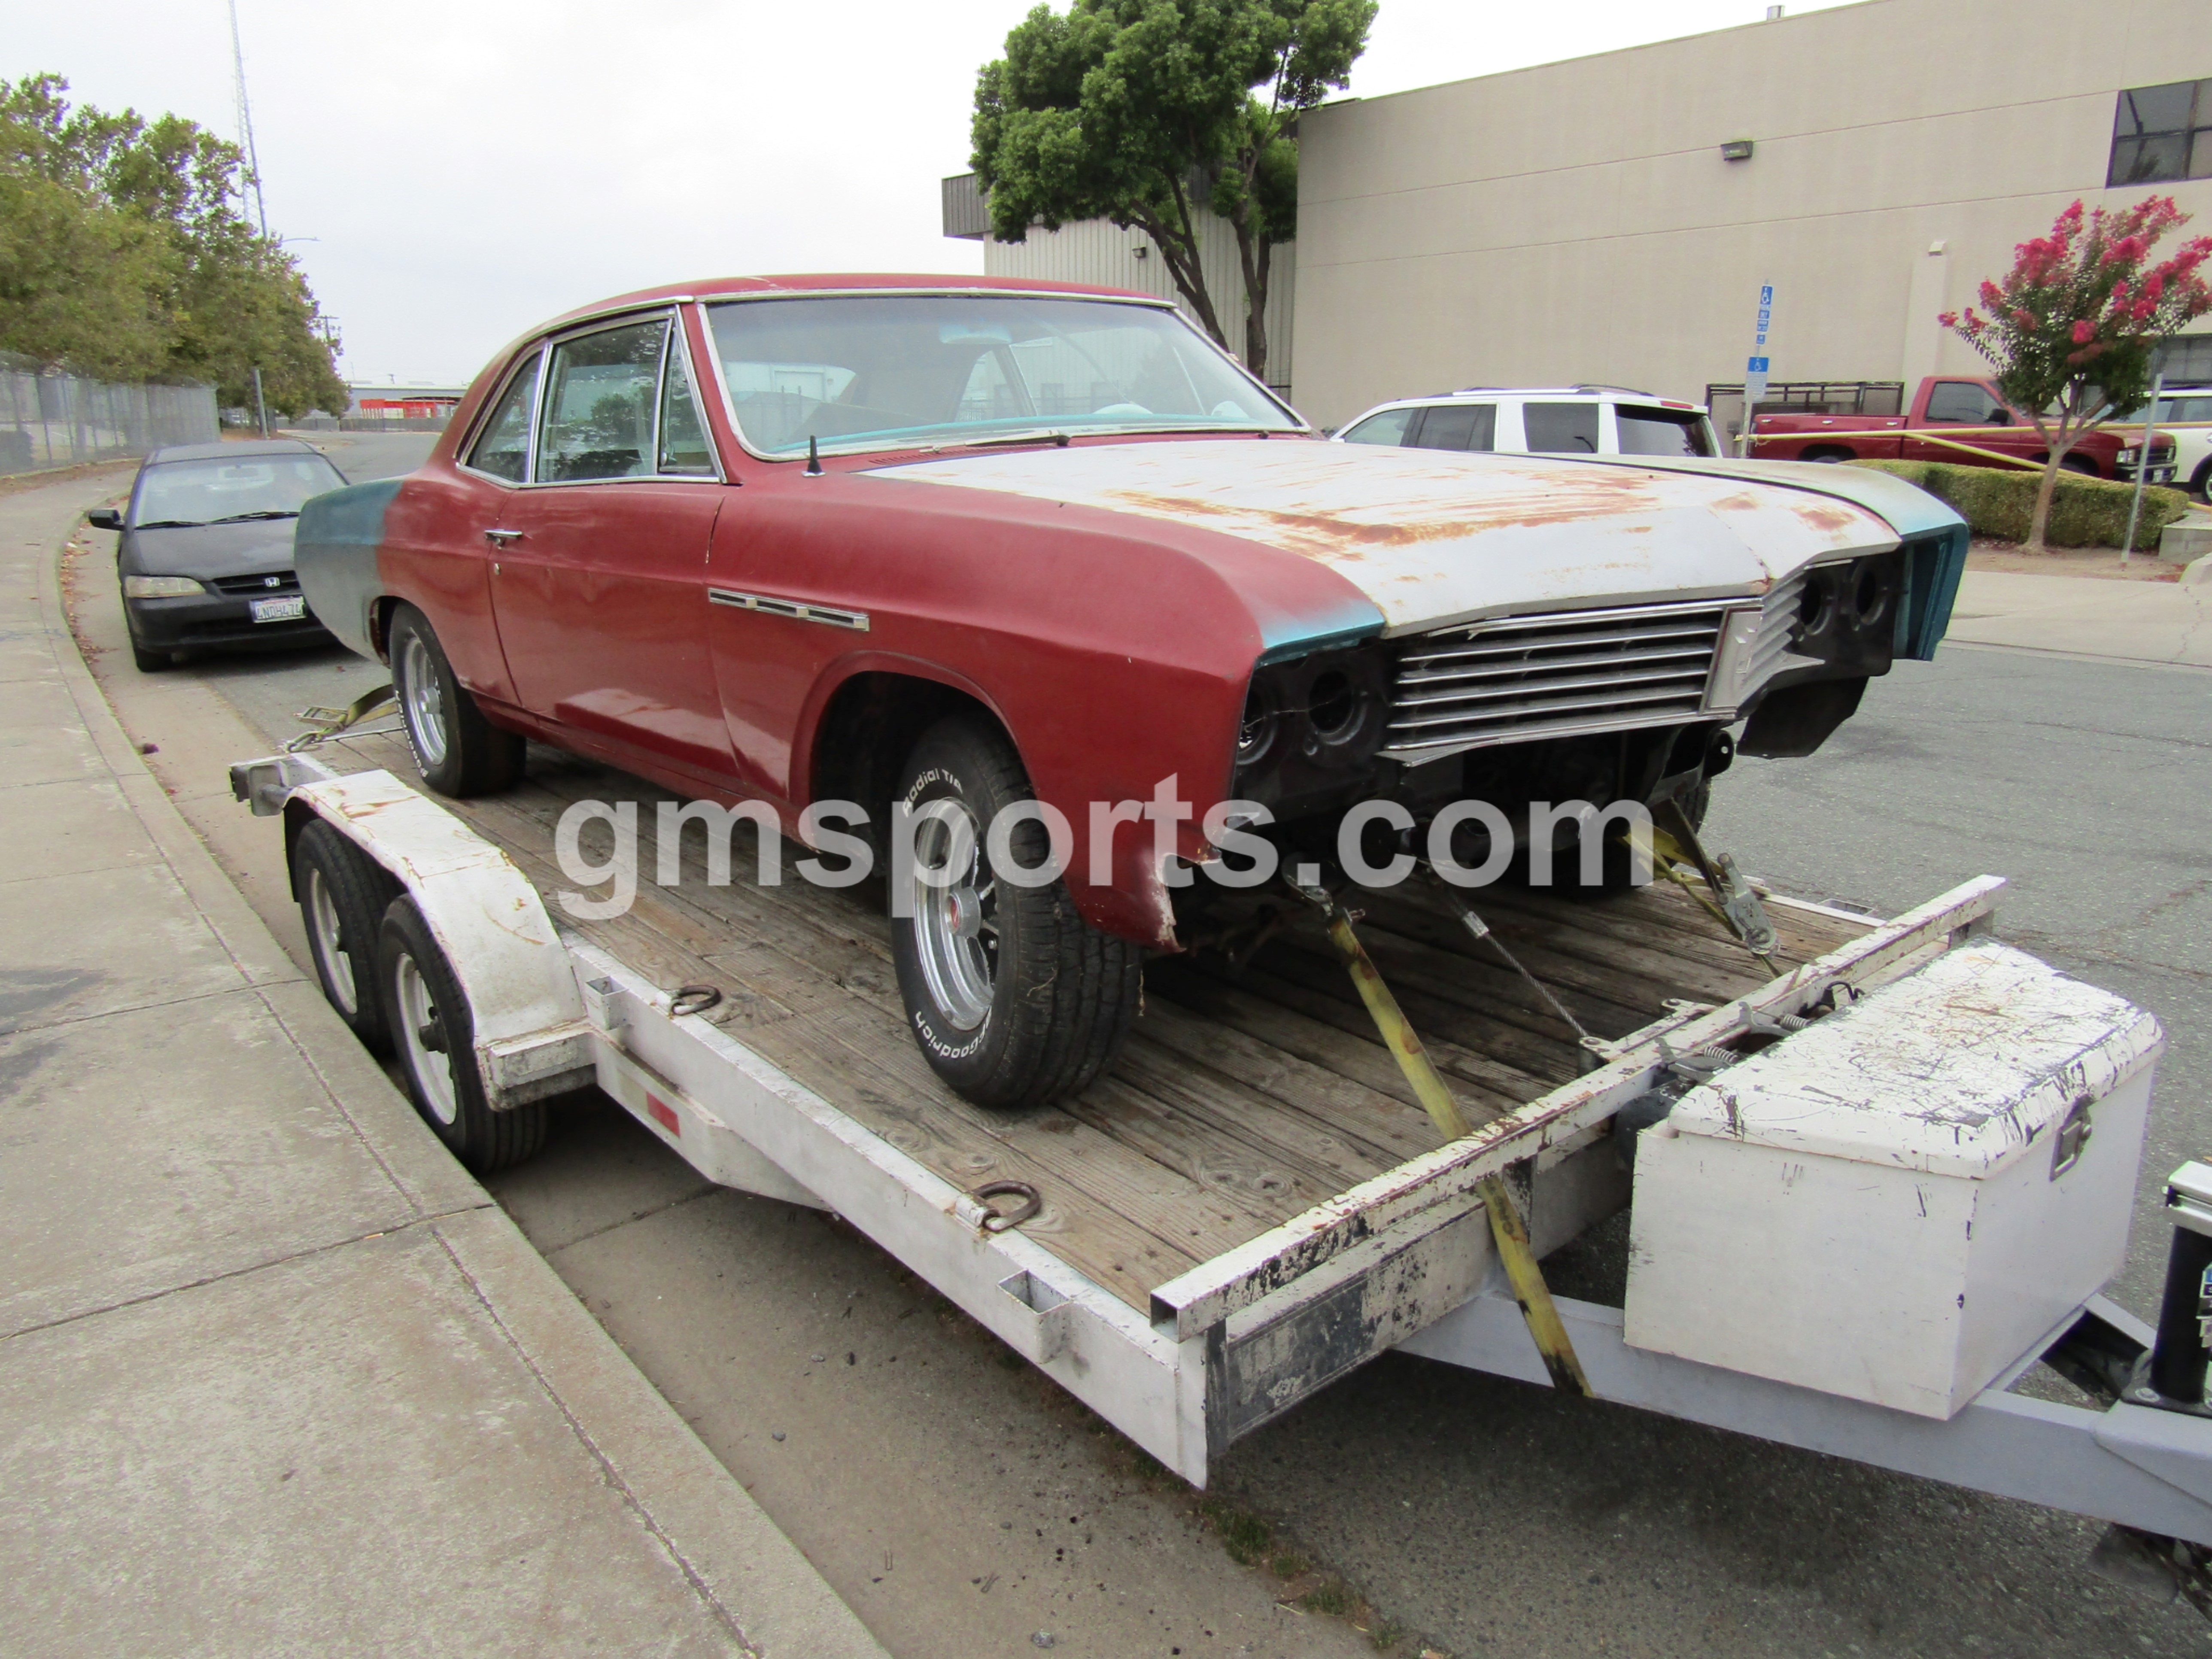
2155	285
2023	319
2084	331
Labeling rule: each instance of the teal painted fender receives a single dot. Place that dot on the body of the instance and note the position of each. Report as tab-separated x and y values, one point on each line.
335	549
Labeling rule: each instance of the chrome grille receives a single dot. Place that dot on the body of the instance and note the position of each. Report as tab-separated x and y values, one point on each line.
1777	628
267	585
1520	678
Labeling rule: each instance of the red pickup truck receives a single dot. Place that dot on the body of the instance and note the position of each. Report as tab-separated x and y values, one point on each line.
1963	410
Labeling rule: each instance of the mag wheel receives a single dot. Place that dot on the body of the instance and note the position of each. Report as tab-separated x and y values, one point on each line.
1014	998
457	750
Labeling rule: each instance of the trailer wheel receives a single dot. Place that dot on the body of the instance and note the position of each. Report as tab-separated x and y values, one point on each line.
457	751
342	895
1014	998
434	1034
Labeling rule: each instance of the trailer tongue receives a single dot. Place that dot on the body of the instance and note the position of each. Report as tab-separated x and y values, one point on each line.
1870	1191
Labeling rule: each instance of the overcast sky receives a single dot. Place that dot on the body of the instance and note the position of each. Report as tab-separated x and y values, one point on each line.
467	167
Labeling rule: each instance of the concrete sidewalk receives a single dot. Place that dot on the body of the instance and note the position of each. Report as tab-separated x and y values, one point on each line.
276	1374
2166	622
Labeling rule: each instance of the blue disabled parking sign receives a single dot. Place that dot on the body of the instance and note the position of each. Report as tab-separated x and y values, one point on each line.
1754	378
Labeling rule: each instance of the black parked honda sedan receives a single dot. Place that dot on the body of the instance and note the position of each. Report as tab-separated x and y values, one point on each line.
205	557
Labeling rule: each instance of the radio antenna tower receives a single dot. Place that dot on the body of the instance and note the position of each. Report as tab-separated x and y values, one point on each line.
245	125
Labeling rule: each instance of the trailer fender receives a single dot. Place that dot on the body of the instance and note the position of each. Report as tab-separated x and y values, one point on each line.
531	1040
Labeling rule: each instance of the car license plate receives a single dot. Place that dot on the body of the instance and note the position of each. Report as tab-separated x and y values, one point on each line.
291	608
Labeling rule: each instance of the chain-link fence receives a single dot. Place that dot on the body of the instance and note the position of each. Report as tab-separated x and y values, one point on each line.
50	419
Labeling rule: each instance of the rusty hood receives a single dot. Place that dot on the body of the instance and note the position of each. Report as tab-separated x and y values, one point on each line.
1432	538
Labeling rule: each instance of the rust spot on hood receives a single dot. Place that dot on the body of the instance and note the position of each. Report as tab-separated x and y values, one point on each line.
1318	533
1825	515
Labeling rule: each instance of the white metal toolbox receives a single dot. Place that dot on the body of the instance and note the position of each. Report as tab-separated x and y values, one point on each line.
1895	1203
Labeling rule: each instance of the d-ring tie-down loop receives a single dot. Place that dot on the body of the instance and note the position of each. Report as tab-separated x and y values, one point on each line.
997	1221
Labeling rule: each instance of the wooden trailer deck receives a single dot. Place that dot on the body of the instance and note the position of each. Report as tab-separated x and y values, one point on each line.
1246	1096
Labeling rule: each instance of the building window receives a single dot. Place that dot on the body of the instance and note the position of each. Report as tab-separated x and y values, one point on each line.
2186	360
2162	133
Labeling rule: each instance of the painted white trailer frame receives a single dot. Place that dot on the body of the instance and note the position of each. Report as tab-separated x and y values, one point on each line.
1404	1261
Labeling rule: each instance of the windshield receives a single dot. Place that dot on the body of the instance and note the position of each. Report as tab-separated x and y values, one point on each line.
216	491
917	371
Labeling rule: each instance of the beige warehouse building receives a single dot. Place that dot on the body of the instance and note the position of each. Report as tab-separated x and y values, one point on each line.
1580	221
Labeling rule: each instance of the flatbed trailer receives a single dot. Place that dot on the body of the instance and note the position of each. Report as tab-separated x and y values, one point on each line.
1254	1202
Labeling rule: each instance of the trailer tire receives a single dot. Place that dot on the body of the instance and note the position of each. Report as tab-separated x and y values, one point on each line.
343	895
434	1035
458	752
1037	1003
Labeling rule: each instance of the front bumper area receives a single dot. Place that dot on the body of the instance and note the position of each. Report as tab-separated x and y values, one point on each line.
210	621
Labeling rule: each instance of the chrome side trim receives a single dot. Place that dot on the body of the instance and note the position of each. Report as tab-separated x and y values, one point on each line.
797	609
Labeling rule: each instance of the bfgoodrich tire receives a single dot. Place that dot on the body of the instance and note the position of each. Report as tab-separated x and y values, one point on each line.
1014	998
434	1035
458	752
342	896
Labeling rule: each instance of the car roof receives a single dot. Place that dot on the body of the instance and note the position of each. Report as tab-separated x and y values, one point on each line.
229	451
1595	394
736	287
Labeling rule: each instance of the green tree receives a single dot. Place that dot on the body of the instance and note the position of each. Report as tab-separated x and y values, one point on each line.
125	253
2072	328
1148	113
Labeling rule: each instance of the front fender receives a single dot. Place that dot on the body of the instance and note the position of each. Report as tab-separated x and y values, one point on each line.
335	549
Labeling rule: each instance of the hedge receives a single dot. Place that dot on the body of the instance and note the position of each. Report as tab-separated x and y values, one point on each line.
1999	501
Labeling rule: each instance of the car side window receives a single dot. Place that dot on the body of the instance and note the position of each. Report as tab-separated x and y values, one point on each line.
1660	431
503	451
1458	426
1962	400
683	449
599	398
1387	428
1560	429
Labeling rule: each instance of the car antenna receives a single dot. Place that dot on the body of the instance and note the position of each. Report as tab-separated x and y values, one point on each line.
813	458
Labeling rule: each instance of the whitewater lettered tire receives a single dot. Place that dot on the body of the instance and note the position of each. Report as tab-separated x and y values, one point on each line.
1014	997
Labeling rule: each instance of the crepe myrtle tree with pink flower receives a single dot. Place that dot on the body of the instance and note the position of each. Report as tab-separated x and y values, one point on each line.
2072	328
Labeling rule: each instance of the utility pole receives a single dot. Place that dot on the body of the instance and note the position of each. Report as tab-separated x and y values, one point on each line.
260	407
246	123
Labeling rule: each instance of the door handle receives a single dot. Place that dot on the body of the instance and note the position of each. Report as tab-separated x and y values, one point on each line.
502	538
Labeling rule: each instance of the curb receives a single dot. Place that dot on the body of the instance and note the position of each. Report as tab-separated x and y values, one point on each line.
738	1563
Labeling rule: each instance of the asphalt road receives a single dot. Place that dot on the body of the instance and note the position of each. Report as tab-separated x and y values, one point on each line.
962	1505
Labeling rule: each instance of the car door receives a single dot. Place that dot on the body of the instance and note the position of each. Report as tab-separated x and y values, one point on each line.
1961	404
599	573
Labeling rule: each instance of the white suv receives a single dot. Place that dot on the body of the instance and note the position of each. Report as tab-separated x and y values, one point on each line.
2192	445
1573	420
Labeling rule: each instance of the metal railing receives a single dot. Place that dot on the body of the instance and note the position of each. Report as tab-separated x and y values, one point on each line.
50	419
